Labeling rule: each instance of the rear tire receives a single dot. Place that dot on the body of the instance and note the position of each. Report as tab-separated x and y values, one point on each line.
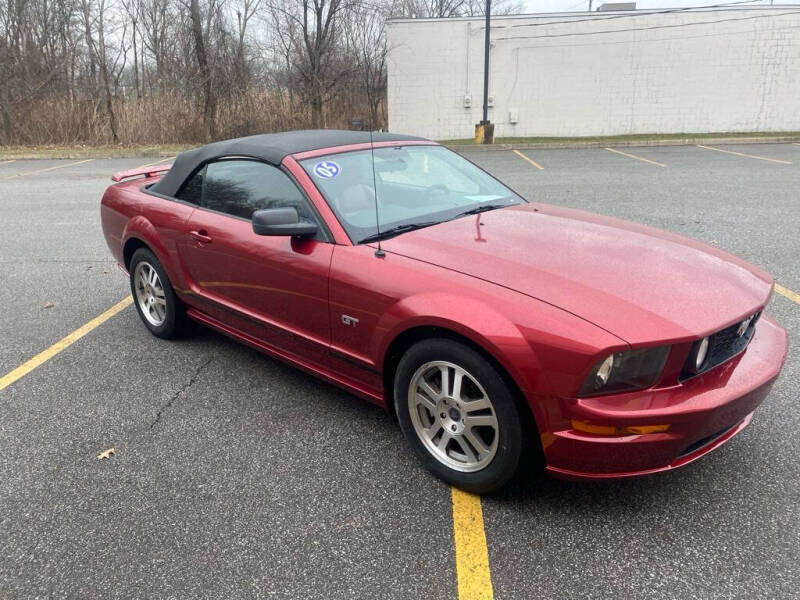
459	415
155	300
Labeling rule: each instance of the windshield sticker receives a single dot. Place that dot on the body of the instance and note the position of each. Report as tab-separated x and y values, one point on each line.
326	169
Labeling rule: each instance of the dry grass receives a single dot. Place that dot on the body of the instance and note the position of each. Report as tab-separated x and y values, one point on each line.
87	151
166	119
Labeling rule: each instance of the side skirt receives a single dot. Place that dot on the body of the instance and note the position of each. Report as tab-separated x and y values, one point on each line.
291	359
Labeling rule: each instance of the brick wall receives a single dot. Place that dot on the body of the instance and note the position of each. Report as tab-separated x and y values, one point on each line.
638	72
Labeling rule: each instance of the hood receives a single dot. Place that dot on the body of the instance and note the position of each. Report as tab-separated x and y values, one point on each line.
642	284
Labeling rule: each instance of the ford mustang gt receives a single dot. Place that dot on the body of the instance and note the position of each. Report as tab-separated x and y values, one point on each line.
494	328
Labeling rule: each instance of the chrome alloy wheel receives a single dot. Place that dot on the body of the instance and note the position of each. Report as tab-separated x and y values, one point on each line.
453	416
150	294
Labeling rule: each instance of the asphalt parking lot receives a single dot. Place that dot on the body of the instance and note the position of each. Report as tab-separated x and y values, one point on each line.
236	476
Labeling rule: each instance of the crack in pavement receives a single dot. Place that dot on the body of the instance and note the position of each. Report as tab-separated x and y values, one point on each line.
177	394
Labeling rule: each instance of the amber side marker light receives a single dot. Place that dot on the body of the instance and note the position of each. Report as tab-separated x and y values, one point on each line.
611	430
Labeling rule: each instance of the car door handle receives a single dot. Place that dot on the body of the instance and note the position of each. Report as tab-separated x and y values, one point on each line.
201	236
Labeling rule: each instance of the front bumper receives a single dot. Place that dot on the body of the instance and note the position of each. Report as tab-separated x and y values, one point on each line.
703	413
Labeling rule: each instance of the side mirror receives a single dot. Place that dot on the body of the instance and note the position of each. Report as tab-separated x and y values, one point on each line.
281	221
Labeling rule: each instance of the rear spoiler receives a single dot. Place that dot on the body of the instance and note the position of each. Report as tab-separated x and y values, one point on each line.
147	171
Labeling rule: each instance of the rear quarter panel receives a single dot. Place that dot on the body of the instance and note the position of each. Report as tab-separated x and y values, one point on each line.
128	212
120	203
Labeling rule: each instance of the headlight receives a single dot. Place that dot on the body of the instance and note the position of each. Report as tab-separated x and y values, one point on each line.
626	371
604	371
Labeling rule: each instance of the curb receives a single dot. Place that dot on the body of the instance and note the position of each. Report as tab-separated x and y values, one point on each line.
80	154
688	141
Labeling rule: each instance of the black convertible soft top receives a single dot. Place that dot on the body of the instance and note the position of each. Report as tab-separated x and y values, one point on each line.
269	147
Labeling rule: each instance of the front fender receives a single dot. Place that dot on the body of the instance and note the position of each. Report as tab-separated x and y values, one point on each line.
470	318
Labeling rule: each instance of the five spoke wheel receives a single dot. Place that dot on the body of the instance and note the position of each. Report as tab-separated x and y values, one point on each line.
459	414
150	294
453	416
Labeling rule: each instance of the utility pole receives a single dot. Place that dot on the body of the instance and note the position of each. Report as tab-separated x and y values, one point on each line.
486	63
484	131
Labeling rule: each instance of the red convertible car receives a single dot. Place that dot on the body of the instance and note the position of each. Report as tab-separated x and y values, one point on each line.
494	328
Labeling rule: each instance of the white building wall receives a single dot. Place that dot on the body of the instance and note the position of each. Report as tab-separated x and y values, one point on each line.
638	72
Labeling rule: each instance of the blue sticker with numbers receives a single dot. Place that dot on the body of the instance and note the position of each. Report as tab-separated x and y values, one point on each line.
327	169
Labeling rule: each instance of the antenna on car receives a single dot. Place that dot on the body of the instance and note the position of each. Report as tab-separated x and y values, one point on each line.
379	252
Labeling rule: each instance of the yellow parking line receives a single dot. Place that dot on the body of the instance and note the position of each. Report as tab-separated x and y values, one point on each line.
533	162
6	162
61	344
157	162
472	556
80	162
775	160
788	293
633	156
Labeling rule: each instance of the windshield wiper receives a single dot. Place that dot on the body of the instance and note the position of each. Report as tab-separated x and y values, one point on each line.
480	209
392	231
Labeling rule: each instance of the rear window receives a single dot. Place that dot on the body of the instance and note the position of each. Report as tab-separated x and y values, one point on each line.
192	190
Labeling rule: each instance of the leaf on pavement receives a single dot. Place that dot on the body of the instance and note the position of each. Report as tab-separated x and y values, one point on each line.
106	454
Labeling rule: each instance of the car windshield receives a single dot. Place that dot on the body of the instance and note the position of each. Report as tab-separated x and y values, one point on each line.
416	186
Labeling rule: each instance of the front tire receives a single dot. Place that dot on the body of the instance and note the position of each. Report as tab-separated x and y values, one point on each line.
155	300
459	415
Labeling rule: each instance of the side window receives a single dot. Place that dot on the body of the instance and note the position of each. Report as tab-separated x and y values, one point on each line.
192	190
240	187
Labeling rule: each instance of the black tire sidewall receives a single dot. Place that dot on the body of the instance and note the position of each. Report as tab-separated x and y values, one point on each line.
171	327
510	444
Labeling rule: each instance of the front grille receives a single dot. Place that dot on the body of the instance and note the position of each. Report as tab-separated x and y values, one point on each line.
722	346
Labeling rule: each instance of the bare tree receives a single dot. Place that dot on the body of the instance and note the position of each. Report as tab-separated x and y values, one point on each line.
366	34
132	11
477	8
198	69
243	17
209	97
94	18
156	17
317	47
442	9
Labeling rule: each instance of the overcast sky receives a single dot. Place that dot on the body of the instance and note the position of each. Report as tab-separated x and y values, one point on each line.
537	6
